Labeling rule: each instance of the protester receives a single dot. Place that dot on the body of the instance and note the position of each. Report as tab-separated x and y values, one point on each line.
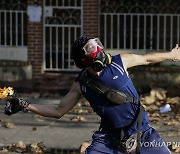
105	83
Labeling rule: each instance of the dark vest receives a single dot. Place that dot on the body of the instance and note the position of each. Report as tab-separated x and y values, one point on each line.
114	116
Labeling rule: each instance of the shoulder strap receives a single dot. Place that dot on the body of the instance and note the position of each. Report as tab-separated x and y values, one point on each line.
137	120
102	89
139	123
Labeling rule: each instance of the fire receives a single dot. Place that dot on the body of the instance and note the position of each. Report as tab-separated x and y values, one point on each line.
5	92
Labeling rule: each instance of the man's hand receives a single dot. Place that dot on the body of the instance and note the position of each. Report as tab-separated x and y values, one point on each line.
15	105
175	53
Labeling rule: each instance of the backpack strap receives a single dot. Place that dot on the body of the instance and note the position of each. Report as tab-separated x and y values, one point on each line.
101	89
139	123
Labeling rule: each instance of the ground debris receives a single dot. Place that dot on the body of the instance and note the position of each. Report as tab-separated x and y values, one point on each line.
81	111
38	118
9	125
37	148
34	128
78	119
175	149
158	98
20	147
171	123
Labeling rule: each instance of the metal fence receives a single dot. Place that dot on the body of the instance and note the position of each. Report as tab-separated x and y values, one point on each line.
140	31
134	25
62	25
13	23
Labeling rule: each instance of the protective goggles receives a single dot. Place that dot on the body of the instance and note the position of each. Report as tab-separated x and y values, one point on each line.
93	45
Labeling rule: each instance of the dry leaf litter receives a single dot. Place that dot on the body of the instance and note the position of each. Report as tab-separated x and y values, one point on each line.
152	104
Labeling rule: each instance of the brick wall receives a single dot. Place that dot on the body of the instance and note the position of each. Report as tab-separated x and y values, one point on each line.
90	15
35	43
35	33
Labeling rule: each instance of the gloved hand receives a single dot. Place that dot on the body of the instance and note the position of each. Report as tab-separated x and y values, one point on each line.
15	105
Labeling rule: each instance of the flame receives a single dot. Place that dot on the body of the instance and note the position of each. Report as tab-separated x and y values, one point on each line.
5	92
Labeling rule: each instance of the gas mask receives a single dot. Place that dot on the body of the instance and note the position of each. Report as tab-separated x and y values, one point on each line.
95	56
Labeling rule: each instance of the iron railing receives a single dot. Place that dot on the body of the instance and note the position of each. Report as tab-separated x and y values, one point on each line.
62	25
139	31
139	24
13	23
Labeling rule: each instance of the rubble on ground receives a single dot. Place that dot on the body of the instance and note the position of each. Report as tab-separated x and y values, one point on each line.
20	147
152	103
157	99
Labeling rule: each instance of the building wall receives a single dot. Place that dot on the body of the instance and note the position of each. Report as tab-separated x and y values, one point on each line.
35	39
35	34
35	43
90	17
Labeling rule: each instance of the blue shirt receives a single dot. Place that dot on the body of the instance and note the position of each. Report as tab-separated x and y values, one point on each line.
115	116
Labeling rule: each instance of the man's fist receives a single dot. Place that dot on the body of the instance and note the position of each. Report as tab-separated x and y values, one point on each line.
15	105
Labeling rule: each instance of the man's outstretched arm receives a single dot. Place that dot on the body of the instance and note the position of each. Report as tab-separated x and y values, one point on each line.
131	60
53	111
65	105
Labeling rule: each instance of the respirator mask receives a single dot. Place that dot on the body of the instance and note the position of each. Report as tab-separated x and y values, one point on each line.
95	57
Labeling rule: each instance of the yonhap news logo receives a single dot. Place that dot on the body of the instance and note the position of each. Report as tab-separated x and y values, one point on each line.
159	144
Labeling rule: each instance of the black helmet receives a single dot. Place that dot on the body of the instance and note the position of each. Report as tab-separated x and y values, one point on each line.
77	50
